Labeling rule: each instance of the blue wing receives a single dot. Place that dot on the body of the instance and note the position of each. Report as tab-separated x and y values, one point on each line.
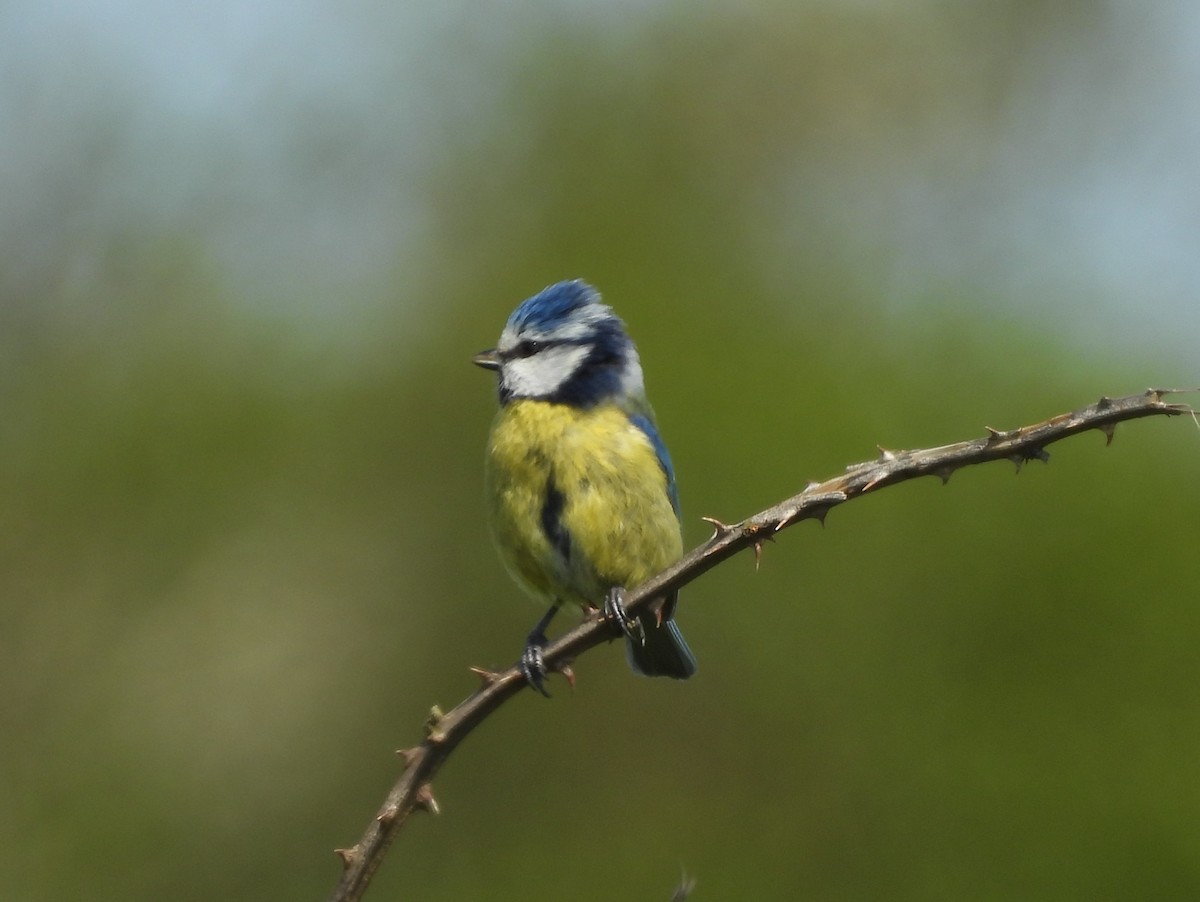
647	426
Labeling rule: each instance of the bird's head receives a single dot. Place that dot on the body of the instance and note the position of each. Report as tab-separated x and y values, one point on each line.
564	345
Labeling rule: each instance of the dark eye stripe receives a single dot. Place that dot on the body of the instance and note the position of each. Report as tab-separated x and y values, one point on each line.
527	348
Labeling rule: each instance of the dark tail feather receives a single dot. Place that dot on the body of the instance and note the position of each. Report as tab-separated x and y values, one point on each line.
664	653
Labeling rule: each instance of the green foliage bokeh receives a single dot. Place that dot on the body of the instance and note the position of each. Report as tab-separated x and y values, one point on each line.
241	561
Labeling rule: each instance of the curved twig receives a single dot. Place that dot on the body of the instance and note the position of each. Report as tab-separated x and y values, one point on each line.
444	731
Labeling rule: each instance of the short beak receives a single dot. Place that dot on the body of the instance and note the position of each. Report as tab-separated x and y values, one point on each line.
489	360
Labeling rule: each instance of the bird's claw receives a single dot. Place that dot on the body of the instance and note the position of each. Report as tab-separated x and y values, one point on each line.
533	665
614	610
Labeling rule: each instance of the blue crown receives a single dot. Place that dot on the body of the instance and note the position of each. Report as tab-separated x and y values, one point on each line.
552	307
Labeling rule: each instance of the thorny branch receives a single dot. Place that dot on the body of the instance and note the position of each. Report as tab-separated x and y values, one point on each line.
444	731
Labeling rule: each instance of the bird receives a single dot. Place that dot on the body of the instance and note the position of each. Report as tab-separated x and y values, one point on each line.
580	488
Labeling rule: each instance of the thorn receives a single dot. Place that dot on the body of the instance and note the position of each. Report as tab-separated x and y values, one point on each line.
815	510
425	800
886	453
874	481
658	614
1030	454
568	674
348	856
433	722
487	677
409	755
758	547
386	816
944	474
720	530
1109	430
1104	402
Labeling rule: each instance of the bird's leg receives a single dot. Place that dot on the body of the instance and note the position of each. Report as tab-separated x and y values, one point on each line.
532	665
614	610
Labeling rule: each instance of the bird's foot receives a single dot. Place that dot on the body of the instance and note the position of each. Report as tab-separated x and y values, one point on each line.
532	664
614	610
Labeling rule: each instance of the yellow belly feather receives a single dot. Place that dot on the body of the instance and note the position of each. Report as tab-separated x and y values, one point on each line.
615	505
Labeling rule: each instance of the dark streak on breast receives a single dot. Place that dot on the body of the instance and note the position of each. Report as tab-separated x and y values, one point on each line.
552	525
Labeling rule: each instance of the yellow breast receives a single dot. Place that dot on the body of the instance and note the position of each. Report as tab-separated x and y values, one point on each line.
611	524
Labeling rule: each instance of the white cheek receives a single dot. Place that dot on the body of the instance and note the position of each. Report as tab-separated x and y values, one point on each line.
632	384
544	372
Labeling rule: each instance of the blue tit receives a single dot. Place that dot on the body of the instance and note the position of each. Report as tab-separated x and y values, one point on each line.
579	483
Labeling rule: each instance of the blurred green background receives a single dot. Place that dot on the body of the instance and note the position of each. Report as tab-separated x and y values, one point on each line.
246	251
